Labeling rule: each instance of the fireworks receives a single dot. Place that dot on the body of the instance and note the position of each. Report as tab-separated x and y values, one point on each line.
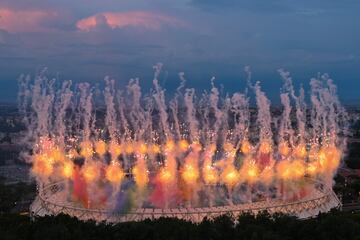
114	173
326	160
196	152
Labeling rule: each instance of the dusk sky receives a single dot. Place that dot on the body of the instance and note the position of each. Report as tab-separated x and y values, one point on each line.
85	40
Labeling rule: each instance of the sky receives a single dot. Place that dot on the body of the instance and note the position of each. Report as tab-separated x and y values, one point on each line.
86	40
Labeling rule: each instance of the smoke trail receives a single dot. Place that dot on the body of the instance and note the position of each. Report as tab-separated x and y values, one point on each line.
24	108
23	98
191	114
160	101
136	114
85	109
124	129
214	101
42	100
174	106
241	117
264	117
285	130
299	104
65	95
110	118
145	153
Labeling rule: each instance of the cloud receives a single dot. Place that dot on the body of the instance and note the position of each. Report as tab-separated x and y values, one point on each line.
141	19
245	5
25	20
304	7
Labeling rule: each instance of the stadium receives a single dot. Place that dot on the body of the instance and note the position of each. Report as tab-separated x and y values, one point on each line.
130	157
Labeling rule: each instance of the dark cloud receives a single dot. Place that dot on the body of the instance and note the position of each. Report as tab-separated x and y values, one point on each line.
220	38
245	5
307	7
4	37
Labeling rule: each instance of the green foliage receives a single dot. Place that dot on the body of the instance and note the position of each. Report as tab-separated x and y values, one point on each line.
333	225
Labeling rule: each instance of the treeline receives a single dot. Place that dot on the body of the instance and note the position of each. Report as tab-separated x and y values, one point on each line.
333	225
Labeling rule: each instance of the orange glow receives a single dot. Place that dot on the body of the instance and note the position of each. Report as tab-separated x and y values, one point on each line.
249	171
141	173
312	168
334	157
196	166
147	20
142	148
100	147
165	176
42	165
267	175
114	173
154	149
211	149
68	169
141	176
329	158
56	154
284	149
190	174
252	173
283	170
265	147
115	149
322	158
169	146
129	148
230	176
90	172
228	147
86	149
183	145
297	169
196	147
291	170
210	175
246	147
300	151
25	20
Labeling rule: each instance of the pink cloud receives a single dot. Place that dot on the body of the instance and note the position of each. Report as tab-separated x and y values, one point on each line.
25	20
142	19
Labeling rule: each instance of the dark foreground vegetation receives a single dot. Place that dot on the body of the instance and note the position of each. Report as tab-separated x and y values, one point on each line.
16	198
334	225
